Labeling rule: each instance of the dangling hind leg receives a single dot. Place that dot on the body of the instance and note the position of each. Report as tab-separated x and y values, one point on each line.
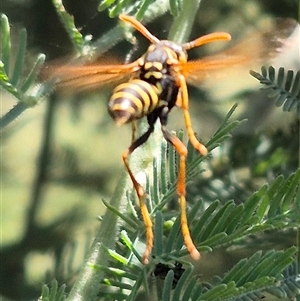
181	191
141	193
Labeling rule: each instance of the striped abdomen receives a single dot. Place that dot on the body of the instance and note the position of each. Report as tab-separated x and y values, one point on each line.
133	100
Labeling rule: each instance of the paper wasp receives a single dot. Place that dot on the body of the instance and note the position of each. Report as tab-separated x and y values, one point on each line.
157	83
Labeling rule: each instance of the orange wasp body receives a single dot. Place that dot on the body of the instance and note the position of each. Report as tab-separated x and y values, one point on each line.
157	84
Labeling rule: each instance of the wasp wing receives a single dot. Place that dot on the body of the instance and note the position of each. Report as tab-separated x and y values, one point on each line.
80	78
255	50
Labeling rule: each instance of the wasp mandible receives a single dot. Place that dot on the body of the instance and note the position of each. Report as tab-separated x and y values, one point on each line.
157	82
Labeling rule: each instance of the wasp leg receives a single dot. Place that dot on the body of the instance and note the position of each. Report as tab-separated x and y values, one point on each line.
141	193
181	187
133	131
184	104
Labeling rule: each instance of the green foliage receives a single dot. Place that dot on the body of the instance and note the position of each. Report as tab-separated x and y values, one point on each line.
54	293
274	272
12	79
284	88
138	8
270	208
289	284
77	39
113	271
250	276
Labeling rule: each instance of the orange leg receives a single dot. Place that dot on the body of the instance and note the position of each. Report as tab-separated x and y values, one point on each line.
181	191
184	104
141	192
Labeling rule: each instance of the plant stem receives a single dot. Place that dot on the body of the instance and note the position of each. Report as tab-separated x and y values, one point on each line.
183	23
87	285
116	34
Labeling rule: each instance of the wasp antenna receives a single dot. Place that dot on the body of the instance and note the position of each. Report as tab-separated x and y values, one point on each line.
212	37
139	27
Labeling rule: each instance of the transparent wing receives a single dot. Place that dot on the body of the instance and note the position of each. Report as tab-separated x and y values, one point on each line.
79	78
255	50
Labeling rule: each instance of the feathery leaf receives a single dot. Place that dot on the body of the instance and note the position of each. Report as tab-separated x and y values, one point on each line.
285	89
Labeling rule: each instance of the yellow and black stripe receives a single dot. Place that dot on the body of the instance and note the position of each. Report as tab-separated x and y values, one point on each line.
133	100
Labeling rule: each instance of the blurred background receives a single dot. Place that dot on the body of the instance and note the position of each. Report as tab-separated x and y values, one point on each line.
62	157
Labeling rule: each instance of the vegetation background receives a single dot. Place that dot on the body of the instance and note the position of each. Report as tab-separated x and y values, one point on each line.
61	158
